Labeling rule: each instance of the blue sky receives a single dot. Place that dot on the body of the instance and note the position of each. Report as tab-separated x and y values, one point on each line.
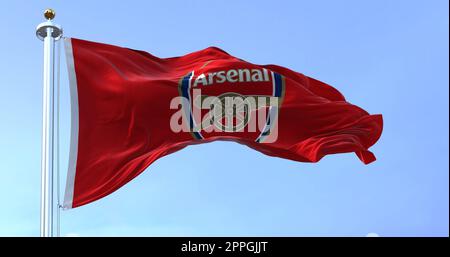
389	57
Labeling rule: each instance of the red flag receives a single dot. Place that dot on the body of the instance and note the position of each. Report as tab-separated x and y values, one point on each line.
130	108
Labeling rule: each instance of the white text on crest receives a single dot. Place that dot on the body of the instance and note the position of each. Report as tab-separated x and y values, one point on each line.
232	76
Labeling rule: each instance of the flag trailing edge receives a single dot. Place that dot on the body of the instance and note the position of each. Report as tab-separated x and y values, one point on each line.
121	120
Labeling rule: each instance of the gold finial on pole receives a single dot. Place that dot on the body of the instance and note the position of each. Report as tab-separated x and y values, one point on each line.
49	14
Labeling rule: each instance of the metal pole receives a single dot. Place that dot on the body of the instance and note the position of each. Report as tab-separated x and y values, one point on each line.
49	33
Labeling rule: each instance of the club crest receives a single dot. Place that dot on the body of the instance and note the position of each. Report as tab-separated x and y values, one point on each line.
219	102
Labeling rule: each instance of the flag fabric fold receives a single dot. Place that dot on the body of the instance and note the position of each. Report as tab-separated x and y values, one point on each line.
130	108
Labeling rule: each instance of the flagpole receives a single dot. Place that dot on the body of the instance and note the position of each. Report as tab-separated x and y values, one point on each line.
49	33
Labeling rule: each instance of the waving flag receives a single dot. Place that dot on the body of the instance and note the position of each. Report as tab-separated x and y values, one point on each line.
130	108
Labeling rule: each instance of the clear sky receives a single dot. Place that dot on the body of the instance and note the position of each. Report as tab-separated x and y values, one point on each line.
388	57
